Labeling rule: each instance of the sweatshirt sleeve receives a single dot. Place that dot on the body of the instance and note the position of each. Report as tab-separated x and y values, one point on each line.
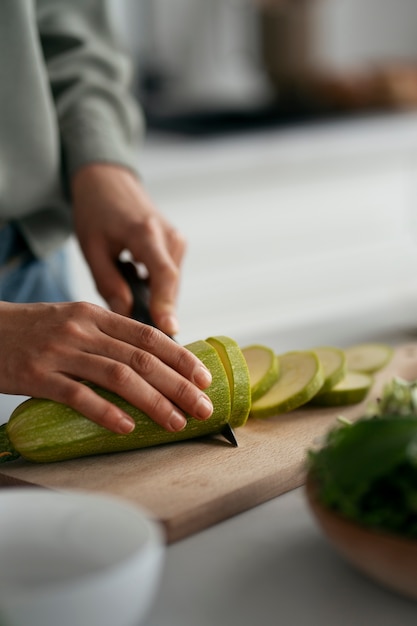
90	77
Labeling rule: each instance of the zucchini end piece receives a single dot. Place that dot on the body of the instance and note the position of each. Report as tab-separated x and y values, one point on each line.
7	452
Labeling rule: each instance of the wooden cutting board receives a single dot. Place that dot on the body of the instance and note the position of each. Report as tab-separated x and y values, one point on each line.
191	485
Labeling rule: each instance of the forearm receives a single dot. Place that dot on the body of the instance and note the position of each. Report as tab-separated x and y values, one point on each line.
90	79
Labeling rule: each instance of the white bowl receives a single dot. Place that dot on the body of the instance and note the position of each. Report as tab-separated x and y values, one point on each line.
72	558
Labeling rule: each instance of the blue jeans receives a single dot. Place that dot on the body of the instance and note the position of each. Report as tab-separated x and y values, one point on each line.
25	278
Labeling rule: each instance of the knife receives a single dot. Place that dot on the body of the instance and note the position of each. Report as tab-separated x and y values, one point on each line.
140	292
140	312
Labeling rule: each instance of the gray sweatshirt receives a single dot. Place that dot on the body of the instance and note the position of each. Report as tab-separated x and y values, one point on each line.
64	103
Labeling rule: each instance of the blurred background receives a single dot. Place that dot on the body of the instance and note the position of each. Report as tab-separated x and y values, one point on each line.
210	65
282	141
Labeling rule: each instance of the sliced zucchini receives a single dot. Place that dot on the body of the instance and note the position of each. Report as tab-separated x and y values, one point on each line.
333	361
301	376
263	368
351	390
367	357
238	375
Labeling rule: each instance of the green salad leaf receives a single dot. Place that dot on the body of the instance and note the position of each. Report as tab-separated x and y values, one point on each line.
367	470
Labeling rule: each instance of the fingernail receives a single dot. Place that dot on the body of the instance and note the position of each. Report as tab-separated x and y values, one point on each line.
126	426
204	408
177	421
203	377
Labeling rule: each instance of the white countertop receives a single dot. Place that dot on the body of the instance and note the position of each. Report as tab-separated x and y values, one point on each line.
270	566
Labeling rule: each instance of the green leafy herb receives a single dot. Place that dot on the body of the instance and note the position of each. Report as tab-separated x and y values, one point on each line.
367	470
399	397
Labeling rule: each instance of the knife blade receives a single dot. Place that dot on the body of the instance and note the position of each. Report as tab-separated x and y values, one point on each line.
140	312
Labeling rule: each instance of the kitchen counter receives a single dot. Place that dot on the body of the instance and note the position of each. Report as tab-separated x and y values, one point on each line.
270	566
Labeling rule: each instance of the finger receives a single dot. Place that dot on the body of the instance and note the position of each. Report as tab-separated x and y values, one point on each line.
163	276
175	242
109	282
182	393
138	387
120	367
120	334
86	329
81	398
146	382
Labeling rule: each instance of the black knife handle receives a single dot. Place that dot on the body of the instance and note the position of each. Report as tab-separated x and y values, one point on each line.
140	292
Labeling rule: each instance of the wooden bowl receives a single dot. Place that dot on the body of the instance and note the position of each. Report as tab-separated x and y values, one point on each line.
386	558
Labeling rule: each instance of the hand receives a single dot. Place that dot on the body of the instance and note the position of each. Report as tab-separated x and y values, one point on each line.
47	349
112	213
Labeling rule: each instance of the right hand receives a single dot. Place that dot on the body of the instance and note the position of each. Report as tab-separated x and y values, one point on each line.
48	349
113	213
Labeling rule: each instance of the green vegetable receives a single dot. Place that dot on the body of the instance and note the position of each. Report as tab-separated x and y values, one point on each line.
352	389
238	375
367	471
399	397
42	430
333	361
263	368
300	378
367	357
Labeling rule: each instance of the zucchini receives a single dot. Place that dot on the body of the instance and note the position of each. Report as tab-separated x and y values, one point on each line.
239	378
333	361
301	376
263	368
352	389
368	358
42	430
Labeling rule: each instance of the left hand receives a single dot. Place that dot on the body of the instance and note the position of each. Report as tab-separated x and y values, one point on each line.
49	348
113	213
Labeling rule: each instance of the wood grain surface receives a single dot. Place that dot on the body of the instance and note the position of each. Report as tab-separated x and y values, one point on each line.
192	485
